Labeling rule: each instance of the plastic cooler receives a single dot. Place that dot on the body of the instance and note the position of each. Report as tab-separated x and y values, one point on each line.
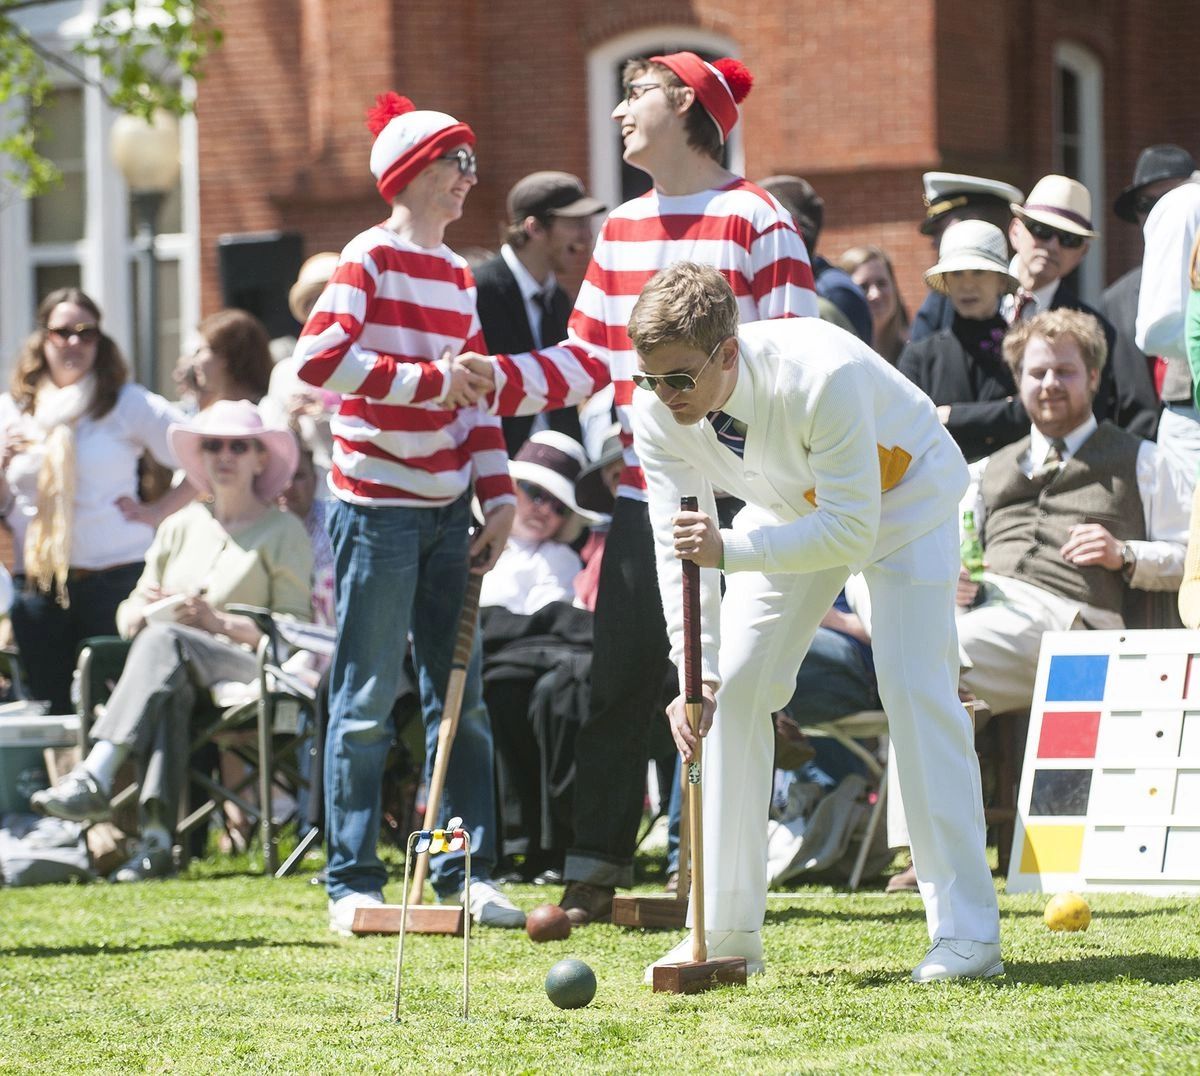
25	731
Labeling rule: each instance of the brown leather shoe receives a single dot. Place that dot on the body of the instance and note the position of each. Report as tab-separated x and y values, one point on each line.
904	882
587	903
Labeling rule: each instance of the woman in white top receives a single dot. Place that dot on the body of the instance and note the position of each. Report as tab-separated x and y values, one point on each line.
73	428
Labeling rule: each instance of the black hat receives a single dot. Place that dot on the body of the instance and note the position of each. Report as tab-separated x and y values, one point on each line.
551	194
1154	163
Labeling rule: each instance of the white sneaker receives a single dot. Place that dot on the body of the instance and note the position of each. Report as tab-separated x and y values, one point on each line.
955	958
743	943
491	908
341	911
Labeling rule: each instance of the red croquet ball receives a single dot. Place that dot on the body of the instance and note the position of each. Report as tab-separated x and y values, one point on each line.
547	922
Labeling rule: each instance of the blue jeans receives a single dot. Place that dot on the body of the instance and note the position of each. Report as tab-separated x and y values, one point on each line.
400	570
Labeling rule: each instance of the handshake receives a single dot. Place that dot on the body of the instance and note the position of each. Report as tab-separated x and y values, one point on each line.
472	377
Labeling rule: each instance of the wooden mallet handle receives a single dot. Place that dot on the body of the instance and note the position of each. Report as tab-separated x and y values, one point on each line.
448	727
694	706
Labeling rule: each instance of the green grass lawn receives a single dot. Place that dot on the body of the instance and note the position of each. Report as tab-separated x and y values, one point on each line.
224	972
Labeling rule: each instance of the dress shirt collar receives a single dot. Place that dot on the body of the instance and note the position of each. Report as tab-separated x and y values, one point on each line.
1042	297
1039	443
741	400
530	288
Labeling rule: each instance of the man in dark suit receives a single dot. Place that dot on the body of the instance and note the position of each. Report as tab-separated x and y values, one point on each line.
521	307
1159	169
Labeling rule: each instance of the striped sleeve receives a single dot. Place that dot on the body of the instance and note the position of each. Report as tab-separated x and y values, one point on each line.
782	279
485	443
333	347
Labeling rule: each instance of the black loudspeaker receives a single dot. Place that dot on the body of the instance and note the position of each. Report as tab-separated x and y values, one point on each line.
257	269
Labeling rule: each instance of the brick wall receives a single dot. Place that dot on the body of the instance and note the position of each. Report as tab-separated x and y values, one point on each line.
859	98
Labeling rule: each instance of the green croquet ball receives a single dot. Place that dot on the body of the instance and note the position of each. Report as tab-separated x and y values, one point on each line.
570	984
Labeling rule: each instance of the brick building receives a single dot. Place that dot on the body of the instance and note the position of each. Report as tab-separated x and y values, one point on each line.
860	98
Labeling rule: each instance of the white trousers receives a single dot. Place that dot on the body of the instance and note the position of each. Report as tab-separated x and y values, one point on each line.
767	624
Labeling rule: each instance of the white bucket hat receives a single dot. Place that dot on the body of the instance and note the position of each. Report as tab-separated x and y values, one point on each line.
971	244
235	419
1059	202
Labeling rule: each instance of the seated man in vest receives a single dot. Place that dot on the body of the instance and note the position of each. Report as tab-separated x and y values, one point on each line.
1071	516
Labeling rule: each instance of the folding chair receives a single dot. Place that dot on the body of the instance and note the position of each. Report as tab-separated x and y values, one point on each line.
270	753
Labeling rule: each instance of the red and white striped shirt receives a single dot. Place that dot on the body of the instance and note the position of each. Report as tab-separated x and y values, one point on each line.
383	334
739	229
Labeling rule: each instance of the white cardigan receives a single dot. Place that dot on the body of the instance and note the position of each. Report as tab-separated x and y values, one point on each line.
817	403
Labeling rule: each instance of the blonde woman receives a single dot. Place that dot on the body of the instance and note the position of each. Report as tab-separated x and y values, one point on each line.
871	269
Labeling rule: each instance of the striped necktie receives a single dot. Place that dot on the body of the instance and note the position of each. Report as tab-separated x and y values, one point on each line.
730	432
1053	462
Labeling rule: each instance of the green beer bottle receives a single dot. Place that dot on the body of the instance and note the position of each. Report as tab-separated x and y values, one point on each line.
971	548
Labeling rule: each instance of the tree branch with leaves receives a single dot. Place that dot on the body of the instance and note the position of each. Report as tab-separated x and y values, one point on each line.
138	53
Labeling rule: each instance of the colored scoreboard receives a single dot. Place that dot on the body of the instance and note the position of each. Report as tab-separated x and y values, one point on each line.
1110	789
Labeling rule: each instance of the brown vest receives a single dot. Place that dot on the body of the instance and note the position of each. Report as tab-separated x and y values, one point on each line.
1027	519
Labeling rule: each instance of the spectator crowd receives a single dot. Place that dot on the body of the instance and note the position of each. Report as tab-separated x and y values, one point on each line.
440	417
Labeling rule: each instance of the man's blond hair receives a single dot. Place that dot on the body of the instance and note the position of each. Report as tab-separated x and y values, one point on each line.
684	303
1052	326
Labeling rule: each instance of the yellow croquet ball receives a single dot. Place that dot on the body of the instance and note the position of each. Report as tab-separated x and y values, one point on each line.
1067	911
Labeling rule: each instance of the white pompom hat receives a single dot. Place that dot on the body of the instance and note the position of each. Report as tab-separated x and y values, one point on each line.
408	140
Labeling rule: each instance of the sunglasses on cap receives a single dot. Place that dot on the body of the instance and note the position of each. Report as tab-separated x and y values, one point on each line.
466	160
87	332
676	382
239	446
539	496
1066	240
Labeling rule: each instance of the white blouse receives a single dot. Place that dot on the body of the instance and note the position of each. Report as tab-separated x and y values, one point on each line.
106	458
529	575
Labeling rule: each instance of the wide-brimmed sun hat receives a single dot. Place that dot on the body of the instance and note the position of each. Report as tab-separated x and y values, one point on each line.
553	461
971	244
235	419
1059	202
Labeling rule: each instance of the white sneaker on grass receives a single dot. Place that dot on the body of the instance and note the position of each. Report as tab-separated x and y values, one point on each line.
744	943
341	911
491	908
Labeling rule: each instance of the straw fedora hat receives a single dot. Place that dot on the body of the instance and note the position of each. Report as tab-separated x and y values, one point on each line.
310	282
235	419
1059	202
971	244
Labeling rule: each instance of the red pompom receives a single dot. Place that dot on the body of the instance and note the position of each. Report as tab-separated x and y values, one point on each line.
739	79
387	107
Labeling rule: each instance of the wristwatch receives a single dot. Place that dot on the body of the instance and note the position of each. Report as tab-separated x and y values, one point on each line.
1128	561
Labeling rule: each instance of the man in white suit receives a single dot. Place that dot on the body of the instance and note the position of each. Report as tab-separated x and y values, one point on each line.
844	468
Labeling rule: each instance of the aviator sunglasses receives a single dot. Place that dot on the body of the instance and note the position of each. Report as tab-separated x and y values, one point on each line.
87	332
675	382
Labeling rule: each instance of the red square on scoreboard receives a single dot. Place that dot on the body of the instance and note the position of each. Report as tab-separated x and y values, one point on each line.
1069	734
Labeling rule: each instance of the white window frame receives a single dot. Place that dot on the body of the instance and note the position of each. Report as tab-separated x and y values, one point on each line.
1089	77
105	254
604	156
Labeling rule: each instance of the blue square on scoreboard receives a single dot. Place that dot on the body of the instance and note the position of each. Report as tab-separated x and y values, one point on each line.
1077	678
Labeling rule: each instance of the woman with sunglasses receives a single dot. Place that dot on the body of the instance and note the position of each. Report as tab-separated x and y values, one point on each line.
73	429
240	549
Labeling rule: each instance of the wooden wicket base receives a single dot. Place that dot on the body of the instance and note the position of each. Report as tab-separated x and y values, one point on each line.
650	913
422	919
698	975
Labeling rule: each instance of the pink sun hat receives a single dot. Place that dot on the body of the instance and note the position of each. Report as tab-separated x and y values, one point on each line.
235	419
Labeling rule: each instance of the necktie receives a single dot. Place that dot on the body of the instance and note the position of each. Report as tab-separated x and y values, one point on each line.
1024	304
544	300
1053	462
730	432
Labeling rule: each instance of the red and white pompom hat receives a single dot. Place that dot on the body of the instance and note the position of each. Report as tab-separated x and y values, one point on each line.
720	86
408	139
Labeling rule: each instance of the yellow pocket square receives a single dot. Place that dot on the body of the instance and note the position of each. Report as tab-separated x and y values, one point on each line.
893	463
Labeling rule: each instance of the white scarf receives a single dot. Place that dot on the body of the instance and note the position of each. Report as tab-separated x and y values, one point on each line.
56	412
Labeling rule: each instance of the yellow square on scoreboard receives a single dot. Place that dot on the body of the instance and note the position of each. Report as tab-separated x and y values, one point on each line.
1052	850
